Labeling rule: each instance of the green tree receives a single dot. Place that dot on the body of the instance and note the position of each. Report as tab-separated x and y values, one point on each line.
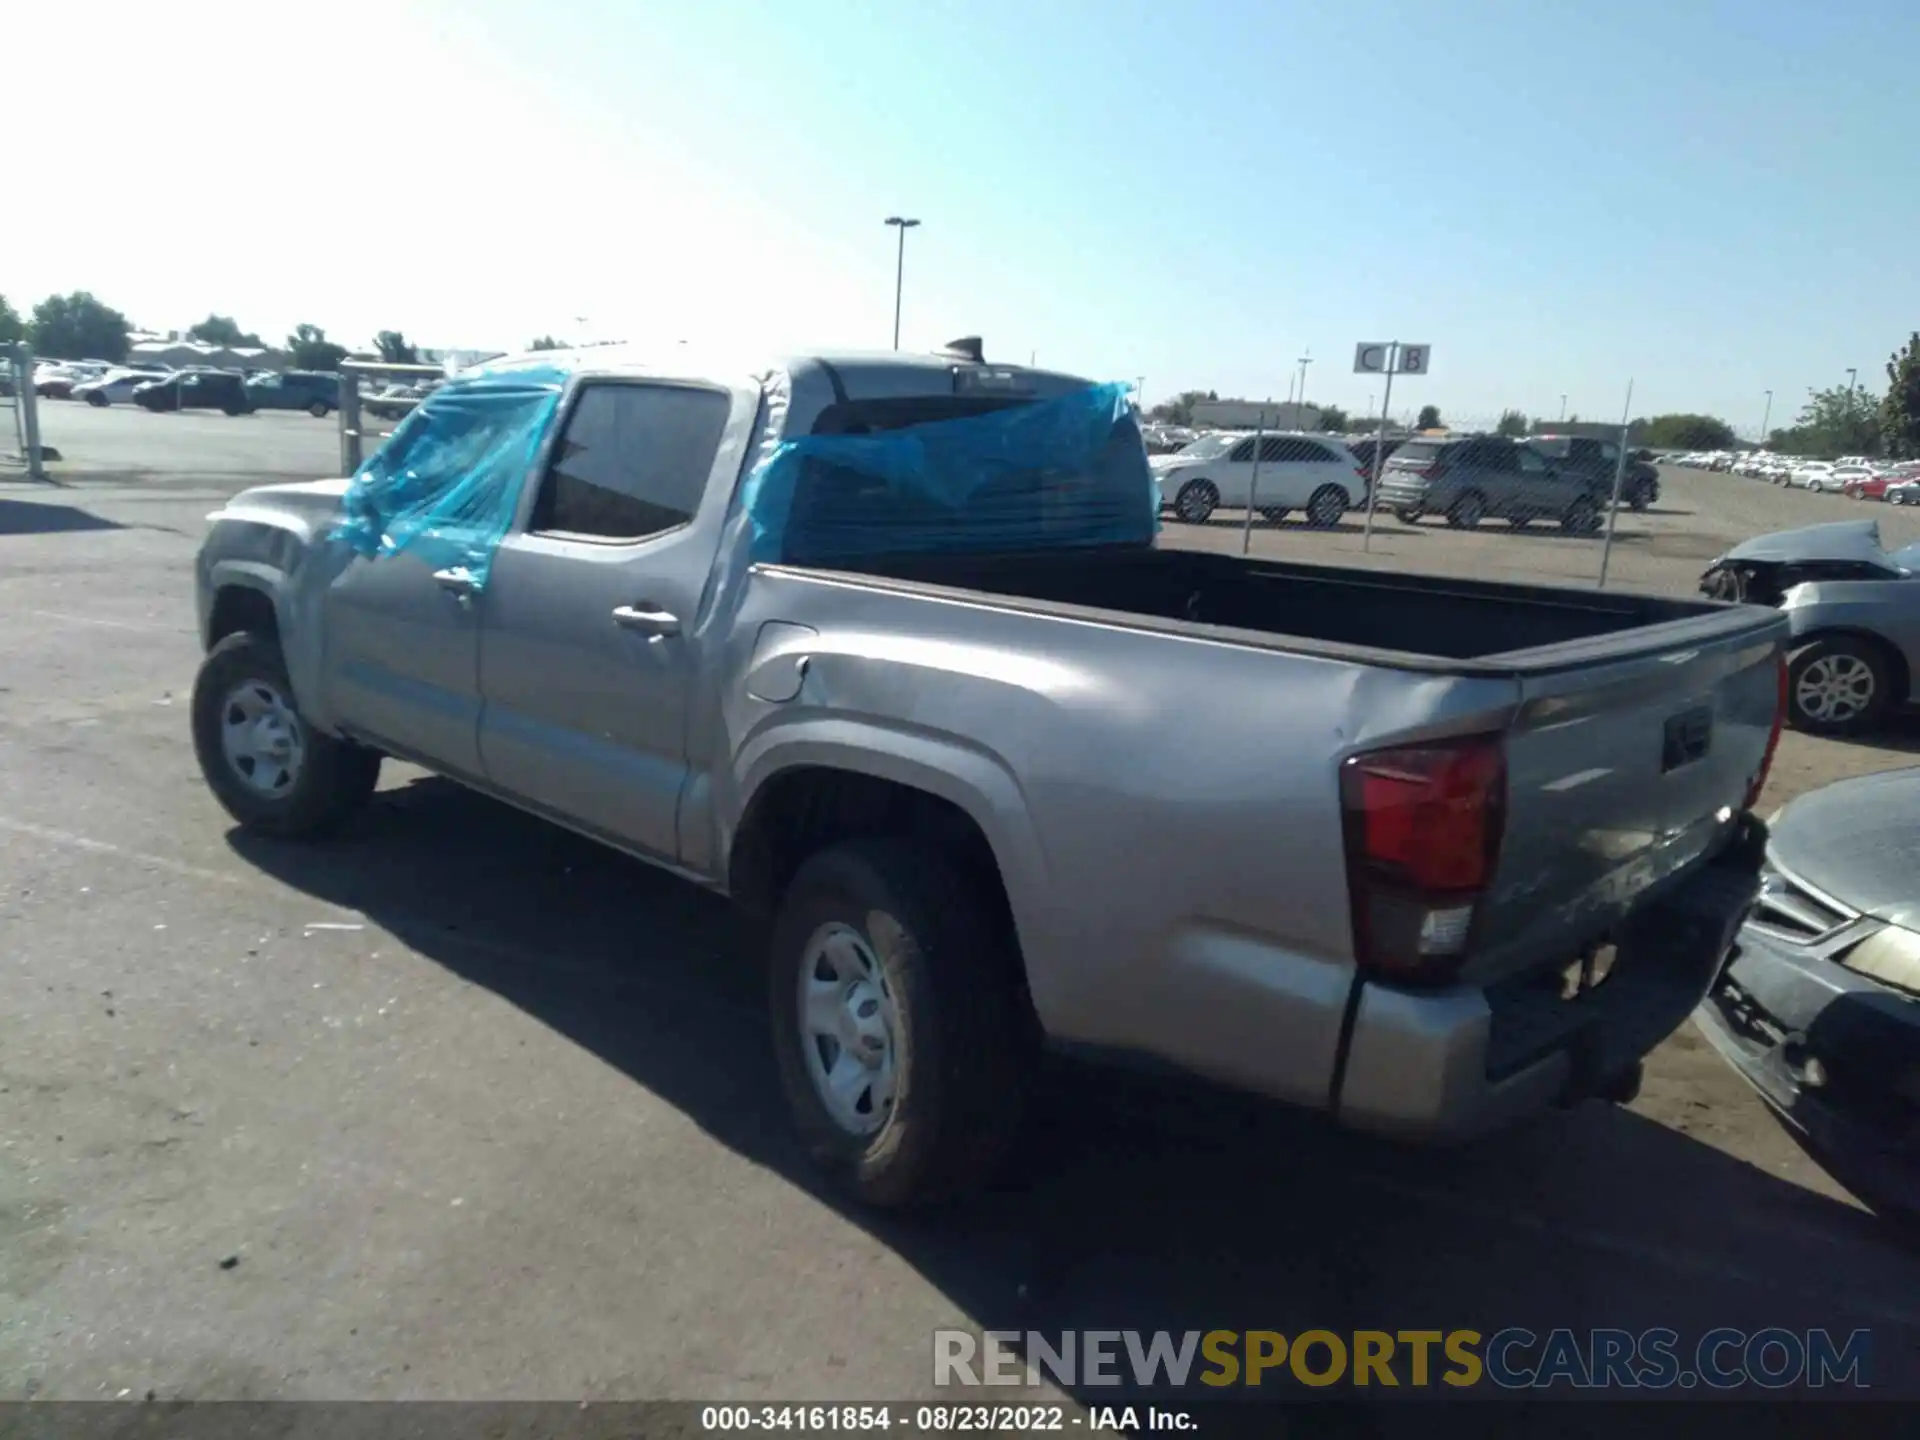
1513	424
1900	411
1333	418
394	349
223	330
78	327
1429	418
1843	420
1179	410
309	349
546	342
1684	432
12	327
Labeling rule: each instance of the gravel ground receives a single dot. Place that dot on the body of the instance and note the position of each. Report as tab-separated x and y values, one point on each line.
459	1106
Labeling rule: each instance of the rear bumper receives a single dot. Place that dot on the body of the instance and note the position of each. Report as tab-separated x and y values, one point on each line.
1449	1065
1777	1008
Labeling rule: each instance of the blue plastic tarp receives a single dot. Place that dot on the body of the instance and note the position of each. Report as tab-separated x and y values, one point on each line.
1047	474
447	483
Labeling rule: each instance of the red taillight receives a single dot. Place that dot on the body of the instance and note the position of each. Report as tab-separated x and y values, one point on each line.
1423	826
1773	734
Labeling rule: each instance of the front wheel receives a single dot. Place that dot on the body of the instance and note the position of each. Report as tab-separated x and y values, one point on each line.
1408	514
272	772
1837	686
1196	501
1467	512
95	398
1641	498
318	409
896	1022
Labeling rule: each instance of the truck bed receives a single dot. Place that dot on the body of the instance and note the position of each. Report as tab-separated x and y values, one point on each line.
1395	617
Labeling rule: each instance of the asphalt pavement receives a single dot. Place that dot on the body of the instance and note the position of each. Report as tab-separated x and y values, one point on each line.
457	1105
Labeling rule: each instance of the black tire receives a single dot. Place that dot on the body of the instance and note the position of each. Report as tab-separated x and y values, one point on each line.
1409	515
1641	497
319	409
1196	501
959	1053
1273	514
1852	666
1326	507
95	398
1581	518
1520	519
335	777
1468	511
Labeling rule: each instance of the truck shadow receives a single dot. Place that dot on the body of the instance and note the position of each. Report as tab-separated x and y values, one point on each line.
1138	1203
33	517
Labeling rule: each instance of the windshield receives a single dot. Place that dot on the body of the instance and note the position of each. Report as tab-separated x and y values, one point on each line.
1208	446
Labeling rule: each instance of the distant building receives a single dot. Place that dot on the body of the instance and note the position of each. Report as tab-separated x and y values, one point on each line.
1254	414
178	353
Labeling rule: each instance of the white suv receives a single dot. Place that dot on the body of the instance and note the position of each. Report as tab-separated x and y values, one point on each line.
1314	473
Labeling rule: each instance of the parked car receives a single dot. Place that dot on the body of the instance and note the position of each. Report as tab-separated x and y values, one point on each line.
1639	484
1853	612
115	385
1877	481
1841	477
1470	479
195	390
1363	451
56	382
1819	1007
1904	492
912	731
1276	474
315	391
1811	475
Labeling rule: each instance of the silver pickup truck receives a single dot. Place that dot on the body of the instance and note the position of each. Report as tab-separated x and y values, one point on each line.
1426	854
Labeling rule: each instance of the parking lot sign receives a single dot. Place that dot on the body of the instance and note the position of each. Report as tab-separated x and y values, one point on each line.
1390	357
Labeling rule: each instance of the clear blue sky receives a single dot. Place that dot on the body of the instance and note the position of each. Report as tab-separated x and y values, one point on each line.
1713	197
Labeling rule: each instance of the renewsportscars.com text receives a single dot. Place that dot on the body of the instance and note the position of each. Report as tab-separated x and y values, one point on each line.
1511	1359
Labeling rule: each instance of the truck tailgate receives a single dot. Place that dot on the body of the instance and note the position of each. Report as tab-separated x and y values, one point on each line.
1627	758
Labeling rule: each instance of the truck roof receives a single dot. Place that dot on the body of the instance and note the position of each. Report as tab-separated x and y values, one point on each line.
867	372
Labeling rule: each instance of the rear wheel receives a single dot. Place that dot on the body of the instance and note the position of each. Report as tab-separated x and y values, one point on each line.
1581	518
1196	501
896	1022
1520	519
94	397
1467	512
273	773
1641	497
318	409
1409	515
1837	686
1326	507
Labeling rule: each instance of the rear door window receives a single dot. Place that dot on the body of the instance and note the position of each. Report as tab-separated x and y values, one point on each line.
632	462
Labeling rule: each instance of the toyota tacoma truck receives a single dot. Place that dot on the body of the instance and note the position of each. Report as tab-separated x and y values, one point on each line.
1429	855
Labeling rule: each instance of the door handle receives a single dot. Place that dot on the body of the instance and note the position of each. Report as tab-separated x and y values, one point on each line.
457	579
647	620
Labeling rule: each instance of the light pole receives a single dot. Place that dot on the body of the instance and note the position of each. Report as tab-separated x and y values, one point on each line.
902	224
1301	398
1563	409
1766	416
1853	374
